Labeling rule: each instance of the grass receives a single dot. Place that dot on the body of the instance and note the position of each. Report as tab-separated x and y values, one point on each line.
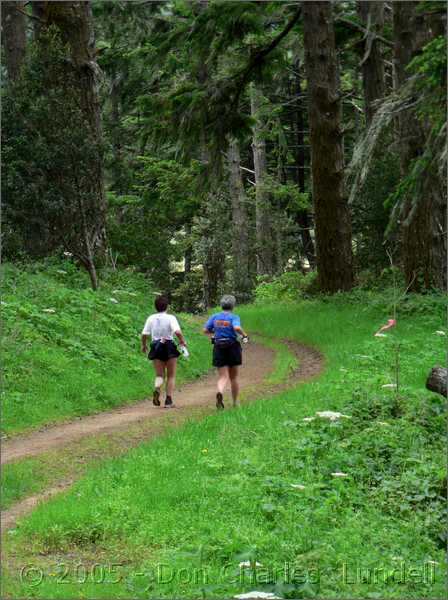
68	351
29	476
284	363
179	513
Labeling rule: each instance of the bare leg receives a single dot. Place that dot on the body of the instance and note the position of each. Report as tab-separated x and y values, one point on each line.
234	384
223	377
171	376
159	368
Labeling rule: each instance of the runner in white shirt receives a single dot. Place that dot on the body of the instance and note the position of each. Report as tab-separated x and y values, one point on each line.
163	351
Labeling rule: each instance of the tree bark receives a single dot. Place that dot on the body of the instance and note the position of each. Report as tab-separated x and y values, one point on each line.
75	25
423	243
331	212
437	380
188	253
265	253
214	245
303	218
13	37
372	17
240	241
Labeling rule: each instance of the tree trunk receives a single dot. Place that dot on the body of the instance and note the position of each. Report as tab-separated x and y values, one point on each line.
214	246
214	258
303	218
188	253
240	226
265	253
372	17
331	212
13	37
74	22
423	243
437	380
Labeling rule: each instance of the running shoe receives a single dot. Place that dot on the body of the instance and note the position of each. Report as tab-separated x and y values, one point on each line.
169	402
219	401
156	397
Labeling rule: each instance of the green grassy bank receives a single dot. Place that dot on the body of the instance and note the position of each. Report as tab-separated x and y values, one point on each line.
70	351
347	508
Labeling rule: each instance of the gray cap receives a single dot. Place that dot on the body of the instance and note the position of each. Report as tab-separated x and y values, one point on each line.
228	301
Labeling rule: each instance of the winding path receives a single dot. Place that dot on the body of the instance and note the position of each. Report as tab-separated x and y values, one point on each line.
258	361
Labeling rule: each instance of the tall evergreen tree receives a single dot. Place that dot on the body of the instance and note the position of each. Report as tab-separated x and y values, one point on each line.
422	241
372	17
13	36
332	217
240	225
263	218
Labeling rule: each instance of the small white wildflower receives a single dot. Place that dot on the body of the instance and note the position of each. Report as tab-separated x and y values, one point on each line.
440	332
308	419
248	564
48	310
255	594
380	335
339	474
61	272
392	386
383	423
297	486
114	300
329	414
131	294
361	356
68	254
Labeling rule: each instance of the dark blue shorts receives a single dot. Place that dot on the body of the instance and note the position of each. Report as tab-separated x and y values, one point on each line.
164	351
227	355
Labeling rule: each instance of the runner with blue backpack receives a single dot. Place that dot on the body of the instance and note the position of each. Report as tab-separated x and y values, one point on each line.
223	328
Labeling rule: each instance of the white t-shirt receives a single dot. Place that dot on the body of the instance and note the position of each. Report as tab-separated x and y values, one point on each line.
161	325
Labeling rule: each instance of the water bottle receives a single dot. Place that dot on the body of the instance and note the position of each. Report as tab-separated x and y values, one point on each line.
184	351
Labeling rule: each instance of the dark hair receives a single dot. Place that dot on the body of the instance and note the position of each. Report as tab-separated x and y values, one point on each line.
161	303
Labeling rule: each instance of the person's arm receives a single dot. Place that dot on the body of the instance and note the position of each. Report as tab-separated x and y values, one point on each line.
208	327
180	337
145	334
144	343
175	328
239	330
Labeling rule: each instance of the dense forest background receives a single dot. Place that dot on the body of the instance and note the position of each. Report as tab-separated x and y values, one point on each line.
217	145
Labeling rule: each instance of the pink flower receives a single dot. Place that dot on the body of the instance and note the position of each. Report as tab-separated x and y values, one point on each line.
390	323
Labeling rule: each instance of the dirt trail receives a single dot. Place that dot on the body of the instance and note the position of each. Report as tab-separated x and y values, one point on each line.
258	361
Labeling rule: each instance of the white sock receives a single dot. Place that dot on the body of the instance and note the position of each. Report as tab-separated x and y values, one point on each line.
158	382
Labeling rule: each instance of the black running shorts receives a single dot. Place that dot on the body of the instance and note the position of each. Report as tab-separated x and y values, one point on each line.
163	351
227	356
